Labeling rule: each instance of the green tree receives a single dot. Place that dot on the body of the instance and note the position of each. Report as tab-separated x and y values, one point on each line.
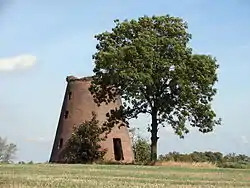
141	147
149	63
7	150
84	143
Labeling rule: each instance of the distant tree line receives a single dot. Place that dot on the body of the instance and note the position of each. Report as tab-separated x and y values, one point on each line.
231	160
141	148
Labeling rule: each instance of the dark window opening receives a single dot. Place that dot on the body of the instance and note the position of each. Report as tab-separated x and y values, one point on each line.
60	143
66	115
70	95
118	152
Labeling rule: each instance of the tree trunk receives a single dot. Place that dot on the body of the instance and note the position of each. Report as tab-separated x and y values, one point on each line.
154	138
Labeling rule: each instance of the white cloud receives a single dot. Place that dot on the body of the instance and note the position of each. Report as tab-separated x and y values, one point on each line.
17	62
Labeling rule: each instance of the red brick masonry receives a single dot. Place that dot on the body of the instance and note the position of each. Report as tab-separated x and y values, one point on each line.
77	107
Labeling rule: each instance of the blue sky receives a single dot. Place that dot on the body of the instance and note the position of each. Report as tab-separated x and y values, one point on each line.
42	42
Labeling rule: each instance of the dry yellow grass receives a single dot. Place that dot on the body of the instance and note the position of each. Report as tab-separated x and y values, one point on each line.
186	164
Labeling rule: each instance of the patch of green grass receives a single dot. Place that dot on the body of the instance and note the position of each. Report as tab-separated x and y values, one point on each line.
119	176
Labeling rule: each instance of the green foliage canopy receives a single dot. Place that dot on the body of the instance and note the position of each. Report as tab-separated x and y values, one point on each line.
149	63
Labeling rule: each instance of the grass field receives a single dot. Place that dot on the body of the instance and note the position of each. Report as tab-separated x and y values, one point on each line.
123	176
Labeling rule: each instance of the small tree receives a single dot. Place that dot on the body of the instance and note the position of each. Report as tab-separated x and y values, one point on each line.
141	147
7	151
84	143
149	63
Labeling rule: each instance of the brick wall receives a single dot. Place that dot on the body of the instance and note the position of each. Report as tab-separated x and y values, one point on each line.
77	107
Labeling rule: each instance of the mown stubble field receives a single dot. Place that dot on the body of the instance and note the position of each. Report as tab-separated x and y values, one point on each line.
119	176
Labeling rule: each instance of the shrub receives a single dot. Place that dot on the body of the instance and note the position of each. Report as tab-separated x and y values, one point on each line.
141	149
7	151
84	143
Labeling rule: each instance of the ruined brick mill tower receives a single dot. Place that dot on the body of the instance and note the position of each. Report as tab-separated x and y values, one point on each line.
77	107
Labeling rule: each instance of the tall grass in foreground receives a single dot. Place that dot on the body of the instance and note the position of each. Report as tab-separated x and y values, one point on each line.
170	175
